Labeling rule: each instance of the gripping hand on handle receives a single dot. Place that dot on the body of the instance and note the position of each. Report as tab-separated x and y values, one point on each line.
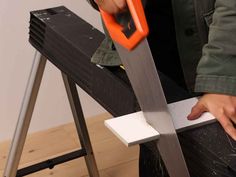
112	6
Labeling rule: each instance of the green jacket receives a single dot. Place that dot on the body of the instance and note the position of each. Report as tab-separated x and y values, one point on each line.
206	39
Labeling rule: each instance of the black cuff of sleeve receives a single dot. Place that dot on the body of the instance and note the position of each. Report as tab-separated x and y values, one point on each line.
93	4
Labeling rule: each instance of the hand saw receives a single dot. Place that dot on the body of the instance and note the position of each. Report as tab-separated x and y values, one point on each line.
137	59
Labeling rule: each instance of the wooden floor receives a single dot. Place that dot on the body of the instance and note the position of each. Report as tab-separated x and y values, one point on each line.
113	158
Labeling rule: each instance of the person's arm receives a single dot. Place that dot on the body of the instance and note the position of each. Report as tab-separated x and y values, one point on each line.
217	68
216	72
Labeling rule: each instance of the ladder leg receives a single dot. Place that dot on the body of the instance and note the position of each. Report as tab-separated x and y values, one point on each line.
80	123
25	115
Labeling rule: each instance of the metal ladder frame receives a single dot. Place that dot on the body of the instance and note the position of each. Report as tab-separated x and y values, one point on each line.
27	107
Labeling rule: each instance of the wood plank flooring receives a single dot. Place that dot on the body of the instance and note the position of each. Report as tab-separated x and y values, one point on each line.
113	158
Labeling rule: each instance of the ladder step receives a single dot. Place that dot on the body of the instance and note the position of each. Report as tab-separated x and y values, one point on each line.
51	162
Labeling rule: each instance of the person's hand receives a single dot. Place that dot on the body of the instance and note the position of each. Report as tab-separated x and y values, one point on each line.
223	107
112	6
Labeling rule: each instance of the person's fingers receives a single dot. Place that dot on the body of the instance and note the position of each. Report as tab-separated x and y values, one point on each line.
230	111
108	5
197	111
121	4
227	125
99	2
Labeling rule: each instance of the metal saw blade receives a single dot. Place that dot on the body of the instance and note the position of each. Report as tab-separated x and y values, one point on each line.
142	73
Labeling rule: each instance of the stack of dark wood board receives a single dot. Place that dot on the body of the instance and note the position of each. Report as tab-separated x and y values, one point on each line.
69	43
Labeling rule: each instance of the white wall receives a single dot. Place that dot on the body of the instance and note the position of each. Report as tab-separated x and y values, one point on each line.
16	56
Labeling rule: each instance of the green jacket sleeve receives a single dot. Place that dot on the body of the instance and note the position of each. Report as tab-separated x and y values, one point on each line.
216	72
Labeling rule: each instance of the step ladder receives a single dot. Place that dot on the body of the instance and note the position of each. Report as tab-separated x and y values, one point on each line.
27	107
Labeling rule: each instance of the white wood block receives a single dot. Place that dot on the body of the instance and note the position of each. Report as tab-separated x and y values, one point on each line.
133	129
181	109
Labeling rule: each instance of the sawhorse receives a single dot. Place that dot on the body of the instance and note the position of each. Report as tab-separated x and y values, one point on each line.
27	107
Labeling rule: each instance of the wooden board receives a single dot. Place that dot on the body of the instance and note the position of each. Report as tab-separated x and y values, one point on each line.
133	129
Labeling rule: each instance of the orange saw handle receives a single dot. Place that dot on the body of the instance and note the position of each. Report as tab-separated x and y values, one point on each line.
115	29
